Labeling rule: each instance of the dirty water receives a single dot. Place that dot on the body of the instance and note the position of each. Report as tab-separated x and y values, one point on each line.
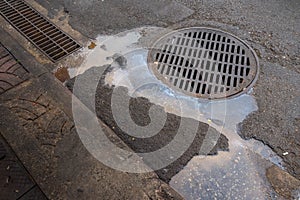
239	173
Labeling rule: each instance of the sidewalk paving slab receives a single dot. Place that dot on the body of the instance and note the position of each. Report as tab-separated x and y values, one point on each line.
15	181
38	125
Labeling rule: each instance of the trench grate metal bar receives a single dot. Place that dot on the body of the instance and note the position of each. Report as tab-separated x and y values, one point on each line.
204	63
47	37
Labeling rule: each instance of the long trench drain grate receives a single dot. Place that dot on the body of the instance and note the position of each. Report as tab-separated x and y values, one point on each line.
52	41
205	63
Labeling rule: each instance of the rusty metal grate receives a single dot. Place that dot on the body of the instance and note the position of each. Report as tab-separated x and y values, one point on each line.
204	63
52	41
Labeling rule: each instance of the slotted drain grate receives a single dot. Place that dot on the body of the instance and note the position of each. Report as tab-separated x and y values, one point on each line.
53	42
204	63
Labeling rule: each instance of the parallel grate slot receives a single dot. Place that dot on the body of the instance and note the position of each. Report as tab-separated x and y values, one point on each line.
47	37
204	63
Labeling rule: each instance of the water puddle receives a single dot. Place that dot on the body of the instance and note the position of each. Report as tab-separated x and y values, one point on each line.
237	174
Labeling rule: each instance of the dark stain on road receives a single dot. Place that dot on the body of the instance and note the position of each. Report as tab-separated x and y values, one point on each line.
139	108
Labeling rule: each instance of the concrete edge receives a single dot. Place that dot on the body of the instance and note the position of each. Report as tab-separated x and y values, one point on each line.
62	96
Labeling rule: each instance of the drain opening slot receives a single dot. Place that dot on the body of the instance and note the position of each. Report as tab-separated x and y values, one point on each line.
204	63
48	38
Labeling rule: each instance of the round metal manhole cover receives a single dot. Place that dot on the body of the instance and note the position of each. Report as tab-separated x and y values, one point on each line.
204	63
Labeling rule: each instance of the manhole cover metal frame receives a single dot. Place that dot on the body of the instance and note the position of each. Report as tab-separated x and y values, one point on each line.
250	79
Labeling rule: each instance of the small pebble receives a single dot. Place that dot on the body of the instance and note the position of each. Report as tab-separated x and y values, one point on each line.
92	45
120	59
103	47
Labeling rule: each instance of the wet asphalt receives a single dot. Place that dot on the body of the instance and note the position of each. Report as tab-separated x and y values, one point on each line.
272	28
139	110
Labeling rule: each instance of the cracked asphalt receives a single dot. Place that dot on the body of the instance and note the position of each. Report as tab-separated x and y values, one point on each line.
270	27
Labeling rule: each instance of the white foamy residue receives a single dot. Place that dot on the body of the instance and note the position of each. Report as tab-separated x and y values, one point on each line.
229	174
